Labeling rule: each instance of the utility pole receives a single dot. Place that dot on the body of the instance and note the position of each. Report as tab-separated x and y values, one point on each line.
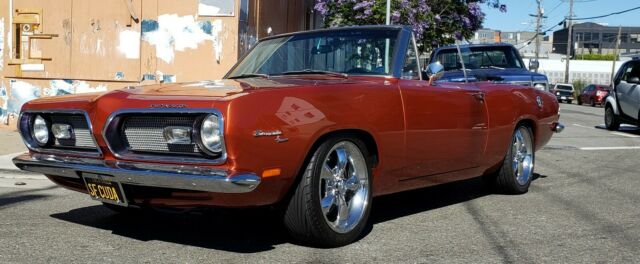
539	15
569	41
615	56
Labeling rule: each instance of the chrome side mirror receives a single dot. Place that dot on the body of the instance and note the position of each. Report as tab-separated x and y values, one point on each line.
534	65
434	71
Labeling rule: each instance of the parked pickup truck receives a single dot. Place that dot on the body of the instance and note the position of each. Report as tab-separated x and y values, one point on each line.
499	63
623	103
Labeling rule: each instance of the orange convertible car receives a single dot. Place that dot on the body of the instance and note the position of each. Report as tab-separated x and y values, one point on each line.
316	122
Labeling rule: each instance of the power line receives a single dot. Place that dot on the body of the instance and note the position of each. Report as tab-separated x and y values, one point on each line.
528	42
608	15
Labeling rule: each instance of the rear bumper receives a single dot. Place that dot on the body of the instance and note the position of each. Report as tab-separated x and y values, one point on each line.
192	178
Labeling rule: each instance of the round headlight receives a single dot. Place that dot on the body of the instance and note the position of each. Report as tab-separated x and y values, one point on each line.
40	130
211	134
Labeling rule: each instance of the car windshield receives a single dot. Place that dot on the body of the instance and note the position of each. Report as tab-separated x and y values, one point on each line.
564	87
337	52
491	57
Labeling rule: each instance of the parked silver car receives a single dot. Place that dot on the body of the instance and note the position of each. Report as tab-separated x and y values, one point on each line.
623	103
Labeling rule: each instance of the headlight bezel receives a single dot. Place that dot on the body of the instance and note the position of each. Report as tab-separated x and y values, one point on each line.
38	137
210	139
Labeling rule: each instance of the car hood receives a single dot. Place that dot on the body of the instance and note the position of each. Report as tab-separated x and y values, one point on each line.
203	94
506	75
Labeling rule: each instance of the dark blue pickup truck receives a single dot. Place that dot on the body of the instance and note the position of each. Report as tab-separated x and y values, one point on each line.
487	62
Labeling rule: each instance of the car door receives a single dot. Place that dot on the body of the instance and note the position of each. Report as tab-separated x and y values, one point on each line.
587	95
446	125
628	94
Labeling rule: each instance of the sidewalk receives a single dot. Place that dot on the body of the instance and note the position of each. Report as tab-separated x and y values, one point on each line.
10	146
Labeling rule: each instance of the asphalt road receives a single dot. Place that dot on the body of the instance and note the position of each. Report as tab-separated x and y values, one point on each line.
583	207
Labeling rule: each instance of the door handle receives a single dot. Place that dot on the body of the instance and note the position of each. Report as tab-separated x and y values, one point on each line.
478	95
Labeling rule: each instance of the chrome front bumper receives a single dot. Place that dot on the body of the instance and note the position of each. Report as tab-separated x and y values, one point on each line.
143	174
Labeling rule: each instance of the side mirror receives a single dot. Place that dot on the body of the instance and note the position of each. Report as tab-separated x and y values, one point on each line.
434	72
534	65
633	79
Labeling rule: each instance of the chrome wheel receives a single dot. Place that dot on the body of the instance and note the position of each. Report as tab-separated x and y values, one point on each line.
344	191
522	154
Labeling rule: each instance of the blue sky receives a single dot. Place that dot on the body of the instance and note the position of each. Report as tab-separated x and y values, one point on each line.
517	16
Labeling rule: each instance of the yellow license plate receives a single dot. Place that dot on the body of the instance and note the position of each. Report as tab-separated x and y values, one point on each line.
103	189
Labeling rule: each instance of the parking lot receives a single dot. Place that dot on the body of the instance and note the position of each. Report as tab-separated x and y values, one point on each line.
582	207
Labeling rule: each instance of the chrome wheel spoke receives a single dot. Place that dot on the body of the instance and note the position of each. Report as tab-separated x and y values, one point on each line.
327	202
326	172
343	211
343	160
353	183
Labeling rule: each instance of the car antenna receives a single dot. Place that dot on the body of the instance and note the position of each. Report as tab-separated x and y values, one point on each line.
464	69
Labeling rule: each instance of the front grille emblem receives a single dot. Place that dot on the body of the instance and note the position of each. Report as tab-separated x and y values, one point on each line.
177	135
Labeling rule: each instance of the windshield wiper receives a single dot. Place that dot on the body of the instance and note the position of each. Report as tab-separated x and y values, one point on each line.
492	67
250	75
310	71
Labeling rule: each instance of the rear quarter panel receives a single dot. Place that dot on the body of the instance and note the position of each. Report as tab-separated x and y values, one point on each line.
508	105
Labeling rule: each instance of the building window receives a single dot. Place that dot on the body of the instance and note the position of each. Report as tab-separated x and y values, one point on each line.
609	37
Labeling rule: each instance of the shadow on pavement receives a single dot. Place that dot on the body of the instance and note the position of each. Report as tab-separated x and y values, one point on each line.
260	229
629	129
12	198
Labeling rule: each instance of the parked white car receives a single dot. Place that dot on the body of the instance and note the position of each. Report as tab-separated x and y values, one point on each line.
564	92
623	103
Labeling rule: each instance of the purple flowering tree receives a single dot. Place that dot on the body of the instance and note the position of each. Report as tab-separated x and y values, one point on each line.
434	22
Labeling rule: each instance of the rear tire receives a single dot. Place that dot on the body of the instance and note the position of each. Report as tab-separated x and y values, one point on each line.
610	120
331	204
516	173
593	102
579	101
569	101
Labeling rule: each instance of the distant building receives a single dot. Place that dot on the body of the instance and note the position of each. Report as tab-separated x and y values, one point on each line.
526	43
486	35
593	38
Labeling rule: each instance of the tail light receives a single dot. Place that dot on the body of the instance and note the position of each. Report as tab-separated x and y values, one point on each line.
602	93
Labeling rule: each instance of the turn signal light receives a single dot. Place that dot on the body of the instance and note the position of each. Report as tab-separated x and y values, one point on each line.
271	172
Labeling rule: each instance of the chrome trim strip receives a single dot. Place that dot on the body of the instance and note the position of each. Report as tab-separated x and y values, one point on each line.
142	174
149	157
24	127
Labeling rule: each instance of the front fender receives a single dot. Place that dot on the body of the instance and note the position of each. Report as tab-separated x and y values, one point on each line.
611	100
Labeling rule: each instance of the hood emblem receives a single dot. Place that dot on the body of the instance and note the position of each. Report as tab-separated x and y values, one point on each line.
168	106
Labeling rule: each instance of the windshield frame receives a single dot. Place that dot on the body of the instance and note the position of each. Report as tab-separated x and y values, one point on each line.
480	48
396	57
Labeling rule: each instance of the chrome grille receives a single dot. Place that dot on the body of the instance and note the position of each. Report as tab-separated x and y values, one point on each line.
82	134
145	134
81	143
523	83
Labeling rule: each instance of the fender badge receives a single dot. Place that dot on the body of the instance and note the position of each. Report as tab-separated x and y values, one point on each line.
260	133
539	100
276	133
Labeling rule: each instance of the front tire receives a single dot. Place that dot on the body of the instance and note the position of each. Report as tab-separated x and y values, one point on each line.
516	173
331	204
610	120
